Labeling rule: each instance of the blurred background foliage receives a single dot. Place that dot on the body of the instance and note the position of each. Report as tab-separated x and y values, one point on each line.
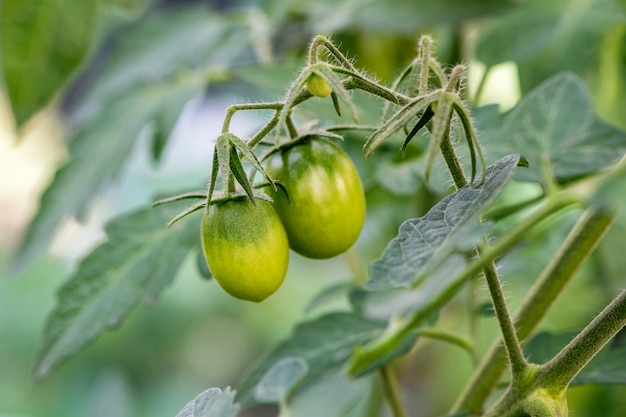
142	95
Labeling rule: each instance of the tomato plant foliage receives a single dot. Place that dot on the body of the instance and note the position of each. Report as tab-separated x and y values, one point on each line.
444	190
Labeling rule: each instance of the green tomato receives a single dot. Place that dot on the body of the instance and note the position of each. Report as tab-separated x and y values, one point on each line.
245	247
324	208
318	86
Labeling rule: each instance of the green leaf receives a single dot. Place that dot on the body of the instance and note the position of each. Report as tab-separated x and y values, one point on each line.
324	343
151	70
139	259
42	43
211	403
453	224
96	153
544	38
407	16
607	367
278	382
555	125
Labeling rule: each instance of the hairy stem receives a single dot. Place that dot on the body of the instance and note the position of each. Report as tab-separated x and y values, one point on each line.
556	375
509	335
511	342
574	251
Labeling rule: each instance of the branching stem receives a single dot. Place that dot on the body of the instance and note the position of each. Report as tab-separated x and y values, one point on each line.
574	251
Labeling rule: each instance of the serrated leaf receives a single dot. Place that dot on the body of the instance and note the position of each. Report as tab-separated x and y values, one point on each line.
607	367
395	305
211	403
397	302
554	124
139	259
454	223
278	382
324	343
42	44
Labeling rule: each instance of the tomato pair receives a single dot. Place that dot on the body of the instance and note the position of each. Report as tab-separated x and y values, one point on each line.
319	216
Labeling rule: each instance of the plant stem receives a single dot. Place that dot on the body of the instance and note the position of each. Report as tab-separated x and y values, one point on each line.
424	53
452	161
392	392
574	251
556	375
231	110
449	337
511	342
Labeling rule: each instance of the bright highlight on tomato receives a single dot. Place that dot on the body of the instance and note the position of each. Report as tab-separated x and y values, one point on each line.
245	247
325	208
318	86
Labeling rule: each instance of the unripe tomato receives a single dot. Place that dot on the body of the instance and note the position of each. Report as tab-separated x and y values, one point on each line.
318	86
245	247
324	209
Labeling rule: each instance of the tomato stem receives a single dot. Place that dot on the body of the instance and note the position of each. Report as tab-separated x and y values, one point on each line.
556	375
574	251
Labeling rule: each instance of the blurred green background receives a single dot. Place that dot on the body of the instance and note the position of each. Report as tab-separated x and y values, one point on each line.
195	336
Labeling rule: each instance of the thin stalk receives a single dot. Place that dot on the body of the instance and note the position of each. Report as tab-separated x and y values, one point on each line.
451	338
336	53
263	132
424	49
391	390
481	86
511	342
291	128
231	110
572	254
452	161
556	375
357	81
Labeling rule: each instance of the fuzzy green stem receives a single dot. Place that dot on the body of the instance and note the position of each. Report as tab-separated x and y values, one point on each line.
231	110
513	347
556	375
511	342
392	392
452	161
263	132
424	49
322	41
574	251
455	78
360	82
